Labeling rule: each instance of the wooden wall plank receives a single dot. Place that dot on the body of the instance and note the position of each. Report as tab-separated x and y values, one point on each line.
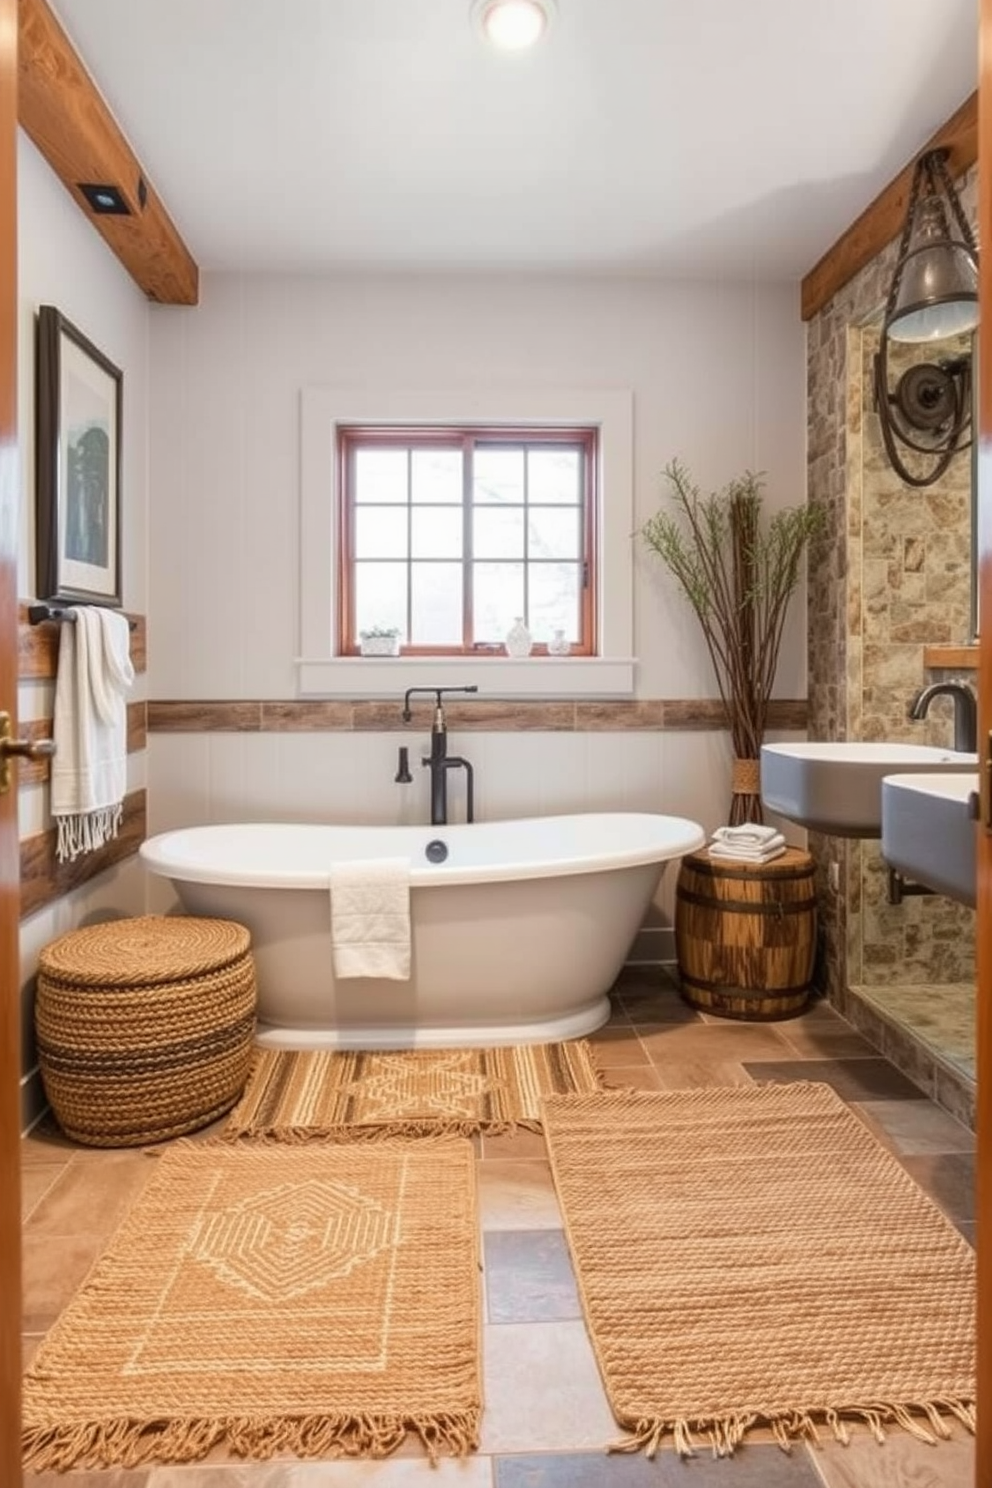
35	772
65	115
44	878
38	646
173	716
882	221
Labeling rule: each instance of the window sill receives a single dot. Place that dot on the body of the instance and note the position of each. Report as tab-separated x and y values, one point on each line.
496	676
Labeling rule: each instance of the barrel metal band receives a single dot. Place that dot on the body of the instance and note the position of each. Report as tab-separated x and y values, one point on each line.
751	906
748	992
763	871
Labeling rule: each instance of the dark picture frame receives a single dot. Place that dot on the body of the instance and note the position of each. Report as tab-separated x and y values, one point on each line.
78	465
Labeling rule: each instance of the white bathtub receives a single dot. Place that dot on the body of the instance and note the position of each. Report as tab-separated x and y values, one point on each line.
516	937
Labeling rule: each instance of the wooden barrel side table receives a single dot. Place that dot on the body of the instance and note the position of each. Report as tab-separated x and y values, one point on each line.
745	934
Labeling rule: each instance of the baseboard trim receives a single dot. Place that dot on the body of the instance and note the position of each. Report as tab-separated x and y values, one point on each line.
34	1102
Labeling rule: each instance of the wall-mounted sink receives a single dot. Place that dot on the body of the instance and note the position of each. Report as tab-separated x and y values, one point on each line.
837	787
928	831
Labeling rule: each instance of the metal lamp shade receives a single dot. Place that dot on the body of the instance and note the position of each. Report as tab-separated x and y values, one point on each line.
938	289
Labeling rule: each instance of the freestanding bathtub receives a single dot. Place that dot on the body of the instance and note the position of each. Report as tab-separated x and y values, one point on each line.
516	936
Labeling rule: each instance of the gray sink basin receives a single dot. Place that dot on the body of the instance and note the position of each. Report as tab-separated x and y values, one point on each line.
837	788
928	831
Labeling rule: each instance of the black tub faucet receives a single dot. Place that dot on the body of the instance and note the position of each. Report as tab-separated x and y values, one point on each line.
965	711
439	760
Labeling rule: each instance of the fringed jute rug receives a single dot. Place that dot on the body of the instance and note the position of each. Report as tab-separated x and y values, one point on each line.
297	1096
322	1301
750	1255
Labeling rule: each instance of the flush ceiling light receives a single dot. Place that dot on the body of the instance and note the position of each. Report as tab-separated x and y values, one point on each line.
513	25
933	297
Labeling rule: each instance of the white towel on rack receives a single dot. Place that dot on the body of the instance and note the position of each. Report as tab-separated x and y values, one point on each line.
749	835
89	726
370	918
744	854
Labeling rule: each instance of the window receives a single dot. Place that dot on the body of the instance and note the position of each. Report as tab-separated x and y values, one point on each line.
447	535
519	415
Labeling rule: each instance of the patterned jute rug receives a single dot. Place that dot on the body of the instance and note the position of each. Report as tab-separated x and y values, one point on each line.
297	1096
750	1255
322	1301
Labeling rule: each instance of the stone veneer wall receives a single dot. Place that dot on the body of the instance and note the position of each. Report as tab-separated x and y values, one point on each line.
890	574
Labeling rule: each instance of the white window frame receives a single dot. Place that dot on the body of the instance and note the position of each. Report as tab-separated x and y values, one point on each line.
323	673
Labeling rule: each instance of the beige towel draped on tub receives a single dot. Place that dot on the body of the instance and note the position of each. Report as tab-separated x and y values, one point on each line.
370	918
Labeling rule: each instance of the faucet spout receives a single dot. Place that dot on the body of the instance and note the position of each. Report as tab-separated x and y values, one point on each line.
965	711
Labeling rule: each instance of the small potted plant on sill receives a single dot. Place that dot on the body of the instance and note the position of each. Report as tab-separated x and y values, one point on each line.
739	577
380	640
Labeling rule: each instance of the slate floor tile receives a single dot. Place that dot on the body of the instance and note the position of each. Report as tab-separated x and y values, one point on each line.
529	1277
752	1466
853	1079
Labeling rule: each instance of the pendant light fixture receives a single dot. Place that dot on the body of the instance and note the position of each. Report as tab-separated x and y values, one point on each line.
513	25
933	297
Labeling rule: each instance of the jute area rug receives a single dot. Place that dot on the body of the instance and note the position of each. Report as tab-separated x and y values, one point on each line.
300	1095
750	1255
322	1301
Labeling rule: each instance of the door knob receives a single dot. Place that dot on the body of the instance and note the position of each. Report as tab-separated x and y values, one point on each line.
10	748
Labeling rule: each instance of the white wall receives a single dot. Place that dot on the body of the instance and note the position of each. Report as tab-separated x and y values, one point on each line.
718	377
62	261
717	373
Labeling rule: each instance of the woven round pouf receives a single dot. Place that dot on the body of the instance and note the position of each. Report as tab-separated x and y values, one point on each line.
145	1026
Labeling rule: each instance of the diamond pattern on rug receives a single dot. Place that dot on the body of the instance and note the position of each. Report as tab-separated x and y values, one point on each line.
302	1095
285	1241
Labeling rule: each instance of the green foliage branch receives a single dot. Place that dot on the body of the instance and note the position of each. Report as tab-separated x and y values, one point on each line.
738	575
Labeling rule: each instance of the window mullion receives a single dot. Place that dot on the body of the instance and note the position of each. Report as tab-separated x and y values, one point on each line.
468	588
409	545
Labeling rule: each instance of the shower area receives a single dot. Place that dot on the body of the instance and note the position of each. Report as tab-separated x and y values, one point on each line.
891	609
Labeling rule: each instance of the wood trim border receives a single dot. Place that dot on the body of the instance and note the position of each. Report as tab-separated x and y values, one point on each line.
365	716
955	658
882	221
64	113
38	646
44	879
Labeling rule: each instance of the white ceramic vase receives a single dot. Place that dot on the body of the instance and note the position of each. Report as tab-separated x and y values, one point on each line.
518	639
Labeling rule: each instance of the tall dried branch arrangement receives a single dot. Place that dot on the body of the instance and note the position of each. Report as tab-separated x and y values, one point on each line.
738	575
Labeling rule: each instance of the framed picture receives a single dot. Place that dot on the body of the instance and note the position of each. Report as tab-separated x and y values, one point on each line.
78	466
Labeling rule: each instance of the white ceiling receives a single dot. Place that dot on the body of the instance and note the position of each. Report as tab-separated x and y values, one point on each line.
688	137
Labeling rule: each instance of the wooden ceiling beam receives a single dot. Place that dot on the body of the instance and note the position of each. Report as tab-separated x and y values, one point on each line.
883	220
63	112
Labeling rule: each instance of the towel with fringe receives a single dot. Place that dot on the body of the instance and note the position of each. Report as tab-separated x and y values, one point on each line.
89	727
370	918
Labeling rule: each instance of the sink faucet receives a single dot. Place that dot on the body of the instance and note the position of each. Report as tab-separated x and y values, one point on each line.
965	711
439	760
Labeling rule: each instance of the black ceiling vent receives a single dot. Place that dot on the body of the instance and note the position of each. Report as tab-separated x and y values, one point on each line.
105	200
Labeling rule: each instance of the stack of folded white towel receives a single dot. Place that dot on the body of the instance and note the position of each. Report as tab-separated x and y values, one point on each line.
749	843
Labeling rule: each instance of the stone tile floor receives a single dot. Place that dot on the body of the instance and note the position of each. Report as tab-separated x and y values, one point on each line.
546	1419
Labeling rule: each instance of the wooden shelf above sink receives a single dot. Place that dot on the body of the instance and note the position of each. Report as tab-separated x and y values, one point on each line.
951	658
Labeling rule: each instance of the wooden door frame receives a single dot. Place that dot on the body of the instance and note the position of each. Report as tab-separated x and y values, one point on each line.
10	1048
983	1031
